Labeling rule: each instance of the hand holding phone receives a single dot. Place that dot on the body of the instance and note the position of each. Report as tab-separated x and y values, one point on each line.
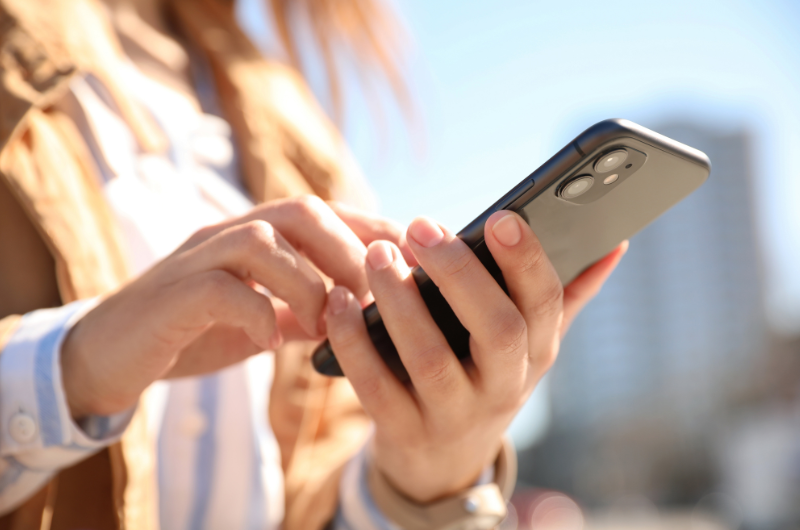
433	439
603	187
480	321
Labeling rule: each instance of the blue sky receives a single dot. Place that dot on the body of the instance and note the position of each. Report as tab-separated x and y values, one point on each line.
502	84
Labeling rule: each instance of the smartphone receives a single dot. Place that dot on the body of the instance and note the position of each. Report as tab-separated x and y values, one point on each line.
603	187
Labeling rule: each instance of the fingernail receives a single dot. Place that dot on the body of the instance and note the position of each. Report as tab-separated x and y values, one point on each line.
507	230
337	300
379	255
425	232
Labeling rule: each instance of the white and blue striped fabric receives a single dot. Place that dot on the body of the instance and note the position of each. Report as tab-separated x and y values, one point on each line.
218	461
31	389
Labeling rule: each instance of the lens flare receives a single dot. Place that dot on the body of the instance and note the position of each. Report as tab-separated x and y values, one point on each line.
557	512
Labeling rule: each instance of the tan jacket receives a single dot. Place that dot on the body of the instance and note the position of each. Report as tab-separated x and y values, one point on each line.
59	242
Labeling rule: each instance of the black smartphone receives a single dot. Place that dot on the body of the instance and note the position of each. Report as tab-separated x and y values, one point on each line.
603	187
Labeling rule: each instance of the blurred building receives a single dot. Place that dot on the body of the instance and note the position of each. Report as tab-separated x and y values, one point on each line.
655	370
681	321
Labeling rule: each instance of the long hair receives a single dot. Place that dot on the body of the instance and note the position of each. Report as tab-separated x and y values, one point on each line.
364	32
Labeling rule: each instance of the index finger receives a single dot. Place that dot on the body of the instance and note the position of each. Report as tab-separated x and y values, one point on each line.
313	229
257	251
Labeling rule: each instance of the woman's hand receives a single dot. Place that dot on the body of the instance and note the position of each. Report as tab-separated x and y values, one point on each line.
197	310
435	436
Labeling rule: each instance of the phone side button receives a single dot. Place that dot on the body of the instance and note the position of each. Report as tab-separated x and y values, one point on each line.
517	193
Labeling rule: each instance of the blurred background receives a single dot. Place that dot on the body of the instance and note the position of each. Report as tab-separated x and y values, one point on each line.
674	403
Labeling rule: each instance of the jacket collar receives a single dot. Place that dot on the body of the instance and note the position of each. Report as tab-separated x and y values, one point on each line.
44	43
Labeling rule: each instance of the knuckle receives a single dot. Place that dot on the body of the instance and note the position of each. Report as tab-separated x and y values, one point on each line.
344	337
434	365
550	302
310	206
533	261
372	389
256	235
511	336
460	265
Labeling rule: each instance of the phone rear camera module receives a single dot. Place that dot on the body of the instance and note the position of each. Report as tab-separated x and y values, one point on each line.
611	161
577	187
611	179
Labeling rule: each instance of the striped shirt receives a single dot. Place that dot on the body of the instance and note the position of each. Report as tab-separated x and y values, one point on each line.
219	465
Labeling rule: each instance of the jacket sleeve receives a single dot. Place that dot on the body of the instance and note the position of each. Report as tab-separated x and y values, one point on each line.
38	436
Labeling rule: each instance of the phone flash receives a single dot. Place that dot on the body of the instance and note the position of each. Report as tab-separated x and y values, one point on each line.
611	179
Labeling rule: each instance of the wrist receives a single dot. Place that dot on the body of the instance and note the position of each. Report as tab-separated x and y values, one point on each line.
476	506
87	390
435	473
98	375
429	483
77	383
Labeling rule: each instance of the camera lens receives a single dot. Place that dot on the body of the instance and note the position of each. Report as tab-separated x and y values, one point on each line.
610	161
577	186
